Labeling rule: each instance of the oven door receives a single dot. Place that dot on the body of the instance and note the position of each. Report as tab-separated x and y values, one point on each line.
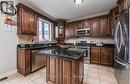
87	56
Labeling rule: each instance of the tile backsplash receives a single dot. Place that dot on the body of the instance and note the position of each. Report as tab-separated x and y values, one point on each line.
94	40
27	39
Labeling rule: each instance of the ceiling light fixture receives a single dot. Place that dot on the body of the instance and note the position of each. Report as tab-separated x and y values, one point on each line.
78	2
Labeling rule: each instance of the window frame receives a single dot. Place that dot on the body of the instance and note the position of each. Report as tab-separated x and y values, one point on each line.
42	29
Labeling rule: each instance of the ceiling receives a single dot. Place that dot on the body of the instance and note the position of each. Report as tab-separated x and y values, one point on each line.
66	9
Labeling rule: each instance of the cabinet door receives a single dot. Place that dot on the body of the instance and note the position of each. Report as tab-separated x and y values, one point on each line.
72	30
21	60
67	34
95	55
104	26
79	24
28	22
107	56
87	24
95	27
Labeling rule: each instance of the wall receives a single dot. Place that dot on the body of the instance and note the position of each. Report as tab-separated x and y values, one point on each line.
8	42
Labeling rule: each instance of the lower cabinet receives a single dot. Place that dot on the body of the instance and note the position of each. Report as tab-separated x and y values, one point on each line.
107	56
95	55
23	61
60	71
102	55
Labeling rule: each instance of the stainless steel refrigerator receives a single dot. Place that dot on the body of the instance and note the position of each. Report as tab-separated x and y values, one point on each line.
122	46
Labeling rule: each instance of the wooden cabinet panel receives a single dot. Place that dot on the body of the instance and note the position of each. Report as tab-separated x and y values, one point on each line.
87	24
52	66
60	71
79	24
95	55
67	32
70	30
95	27
66	72
107	56
27	20
103	56
99	27
23	61
104	26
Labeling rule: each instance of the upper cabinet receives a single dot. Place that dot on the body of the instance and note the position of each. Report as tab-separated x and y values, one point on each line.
99	27
27	20
79	24
87	24
123	4
70	30
105	29
95	27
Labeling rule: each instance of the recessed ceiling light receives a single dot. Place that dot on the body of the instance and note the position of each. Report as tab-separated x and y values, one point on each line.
78	2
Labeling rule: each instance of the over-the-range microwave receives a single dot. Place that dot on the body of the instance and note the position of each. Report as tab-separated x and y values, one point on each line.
83	32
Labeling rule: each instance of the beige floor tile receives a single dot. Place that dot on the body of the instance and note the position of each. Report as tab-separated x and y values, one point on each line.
93	74
93	70
25	81
106	78
4	82
106	82
102	67
13	80
93	81
103	72
93	66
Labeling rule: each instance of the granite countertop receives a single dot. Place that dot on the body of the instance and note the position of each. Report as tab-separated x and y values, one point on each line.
65	54
94	45
34	46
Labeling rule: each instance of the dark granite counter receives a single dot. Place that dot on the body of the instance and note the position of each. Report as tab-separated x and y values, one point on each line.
34	46
65	54
94	45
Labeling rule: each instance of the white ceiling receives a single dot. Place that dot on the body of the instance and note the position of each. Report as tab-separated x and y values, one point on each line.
66	9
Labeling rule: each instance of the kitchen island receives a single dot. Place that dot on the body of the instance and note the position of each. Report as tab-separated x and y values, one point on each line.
64	66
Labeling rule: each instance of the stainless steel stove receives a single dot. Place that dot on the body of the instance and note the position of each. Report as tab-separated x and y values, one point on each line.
84	45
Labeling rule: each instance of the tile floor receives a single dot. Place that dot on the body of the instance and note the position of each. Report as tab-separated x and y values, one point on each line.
93	74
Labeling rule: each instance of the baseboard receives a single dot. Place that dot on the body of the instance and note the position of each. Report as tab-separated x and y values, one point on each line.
8	73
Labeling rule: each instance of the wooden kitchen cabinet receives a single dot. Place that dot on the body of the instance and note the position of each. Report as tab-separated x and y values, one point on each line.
95	55
79	24
95	28
101	26
61	71
102	55
23	61
87	23
70	30
105	29
27	20
107	56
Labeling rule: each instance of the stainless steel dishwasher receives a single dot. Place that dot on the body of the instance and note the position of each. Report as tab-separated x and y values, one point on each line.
37	61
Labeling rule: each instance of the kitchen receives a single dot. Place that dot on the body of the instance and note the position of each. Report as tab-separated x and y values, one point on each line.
86	43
